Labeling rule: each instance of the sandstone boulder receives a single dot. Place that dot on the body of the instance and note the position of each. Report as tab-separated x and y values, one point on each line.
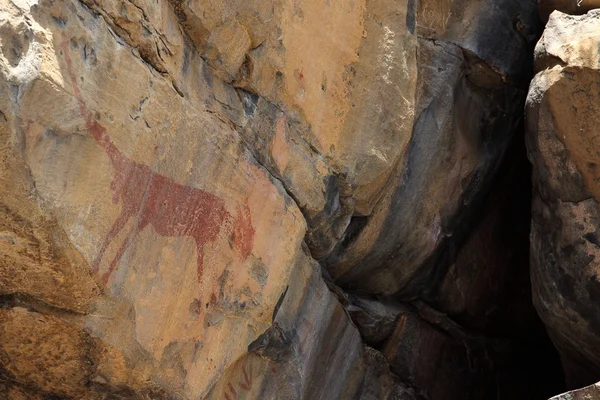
563	122
174	176
153	213
471	69
139	228
361	115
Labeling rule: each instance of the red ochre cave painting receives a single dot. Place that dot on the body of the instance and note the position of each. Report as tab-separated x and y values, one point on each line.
154	199
245	383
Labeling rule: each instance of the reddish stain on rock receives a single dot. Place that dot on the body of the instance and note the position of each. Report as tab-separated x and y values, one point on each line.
243	231
153	199
246	383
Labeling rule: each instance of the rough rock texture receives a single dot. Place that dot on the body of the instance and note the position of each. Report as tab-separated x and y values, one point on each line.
190	190
587	393
466	106
573	7
287	360
563	123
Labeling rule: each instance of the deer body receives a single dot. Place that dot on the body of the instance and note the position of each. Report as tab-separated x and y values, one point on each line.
153	199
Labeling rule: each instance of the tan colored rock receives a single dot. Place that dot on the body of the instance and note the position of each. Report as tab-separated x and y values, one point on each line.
166	163
226	51
337	98
563	125
187	260
315	99
40	351
58	358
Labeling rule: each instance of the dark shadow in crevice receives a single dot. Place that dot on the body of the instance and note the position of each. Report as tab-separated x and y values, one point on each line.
487	289
485	293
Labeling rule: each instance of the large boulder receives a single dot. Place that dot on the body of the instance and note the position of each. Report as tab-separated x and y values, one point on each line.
362	109
563	127
472	64
173	173
157	224
143	243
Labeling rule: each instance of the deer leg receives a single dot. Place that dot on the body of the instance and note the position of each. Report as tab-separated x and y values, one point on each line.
120	253
200	257
229	224
117	226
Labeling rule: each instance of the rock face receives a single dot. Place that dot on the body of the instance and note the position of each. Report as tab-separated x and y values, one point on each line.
563	125
465	110
227	200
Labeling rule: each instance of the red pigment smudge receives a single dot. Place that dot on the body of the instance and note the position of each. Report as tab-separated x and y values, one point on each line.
246	385
153	199
243	231
231	389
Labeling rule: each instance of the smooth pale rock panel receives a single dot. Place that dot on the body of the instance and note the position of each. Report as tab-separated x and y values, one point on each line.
209	51
563	120
316	59
192	239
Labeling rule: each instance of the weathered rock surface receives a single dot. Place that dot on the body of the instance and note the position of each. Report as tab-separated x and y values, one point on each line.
573	7
359	135
174	176
591	392
133	174
466	108
312	351
563	122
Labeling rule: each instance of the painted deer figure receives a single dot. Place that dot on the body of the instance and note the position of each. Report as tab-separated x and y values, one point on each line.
153	199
